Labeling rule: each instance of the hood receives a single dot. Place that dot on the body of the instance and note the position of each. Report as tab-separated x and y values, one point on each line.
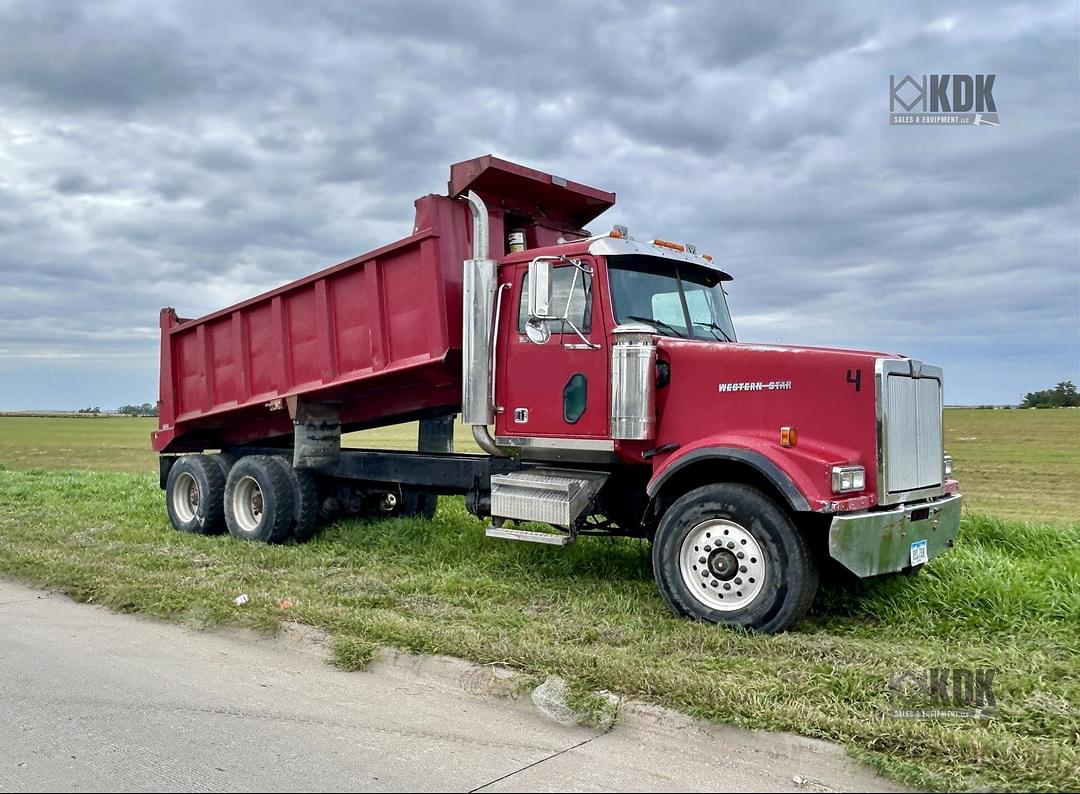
667	342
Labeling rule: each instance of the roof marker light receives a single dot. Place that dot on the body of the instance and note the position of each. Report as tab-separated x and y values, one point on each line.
668	244
619	232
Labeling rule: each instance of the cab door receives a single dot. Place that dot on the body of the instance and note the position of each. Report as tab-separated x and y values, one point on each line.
557	388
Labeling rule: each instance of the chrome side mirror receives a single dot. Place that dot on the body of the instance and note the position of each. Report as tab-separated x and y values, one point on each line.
537	331
540	289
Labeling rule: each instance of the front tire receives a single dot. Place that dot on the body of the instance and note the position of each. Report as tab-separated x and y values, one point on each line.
729	554
194	495
259	500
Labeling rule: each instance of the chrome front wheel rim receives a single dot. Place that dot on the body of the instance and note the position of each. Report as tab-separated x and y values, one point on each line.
722	565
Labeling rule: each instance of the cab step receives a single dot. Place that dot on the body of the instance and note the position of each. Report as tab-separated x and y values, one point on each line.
549	496
529	536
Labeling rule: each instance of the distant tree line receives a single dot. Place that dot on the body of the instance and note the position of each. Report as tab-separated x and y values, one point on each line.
146	409
94	410
1061	396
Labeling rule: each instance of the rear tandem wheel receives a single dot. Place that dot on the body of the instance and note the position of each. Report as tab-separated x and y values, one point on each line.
306	502
259	501
194	495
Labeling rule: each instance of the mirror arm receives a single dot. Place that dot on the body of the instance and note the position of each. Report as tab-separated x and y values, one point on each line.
590	345
578	269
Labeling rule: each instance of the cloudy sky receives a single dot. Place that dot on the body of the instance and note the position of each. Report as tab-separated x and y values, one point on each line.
195	153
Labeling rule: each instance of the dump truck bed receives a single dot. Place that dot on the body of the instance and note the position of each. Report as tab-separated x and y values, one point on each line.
379	334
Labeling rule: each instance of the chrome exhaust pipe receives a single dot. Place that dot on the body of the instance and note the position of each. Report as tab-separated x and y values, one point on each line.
478	296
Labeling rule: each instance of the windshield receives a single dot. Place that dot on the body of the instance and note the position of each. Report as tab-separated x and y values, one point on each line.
677	298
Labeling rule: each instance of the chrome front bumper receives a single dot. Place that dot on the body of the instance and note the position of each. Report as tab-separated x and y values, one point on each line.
886	541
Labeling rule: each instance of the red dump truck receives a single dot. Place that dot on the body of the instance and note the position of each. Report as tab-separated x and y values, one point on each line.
603	382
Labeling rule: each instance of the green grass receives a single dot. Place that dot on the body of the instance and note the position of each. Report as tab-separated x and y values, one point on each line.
1008	598
122	443
113	443
1022	464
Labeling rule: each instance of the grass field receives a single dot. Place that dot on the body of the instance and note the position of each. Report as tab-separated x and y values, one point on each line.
80	510
122	443
1022	465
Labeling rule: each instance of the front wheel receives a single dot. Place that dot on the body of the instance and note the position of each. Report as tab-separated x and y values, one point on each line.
729	554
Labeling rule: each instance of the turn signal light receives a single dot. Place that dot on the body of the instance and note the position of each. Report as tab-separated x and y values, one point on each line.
789	436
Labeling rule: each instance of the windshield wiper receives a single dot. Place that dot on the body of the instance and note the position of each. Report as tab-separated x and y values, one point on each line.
653	321
714	328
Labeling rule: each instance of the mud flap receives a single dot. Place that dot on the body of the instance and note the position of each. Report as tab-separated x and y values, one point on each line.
316	434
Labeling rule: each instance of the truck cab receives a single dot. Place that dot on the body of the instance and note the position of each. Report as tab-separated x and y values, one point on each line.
554	362
621	354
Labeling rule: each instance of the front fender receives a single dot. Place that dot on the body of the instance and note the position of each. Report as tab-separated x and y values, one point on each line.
788	470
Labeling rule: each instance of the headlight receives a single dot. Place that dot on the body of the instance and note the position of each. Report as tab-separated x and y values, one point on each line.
848	478
948	465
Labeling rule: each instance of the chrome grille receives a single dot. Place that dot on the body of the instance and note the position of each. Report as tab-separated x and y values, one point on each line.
911	428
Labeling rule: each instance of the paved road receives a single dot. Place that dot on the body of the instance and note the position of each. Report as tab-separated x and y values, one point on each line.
94	701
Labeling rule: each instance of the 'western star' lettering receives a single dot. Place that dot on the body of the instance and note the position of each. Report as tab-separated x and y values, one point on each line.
757	385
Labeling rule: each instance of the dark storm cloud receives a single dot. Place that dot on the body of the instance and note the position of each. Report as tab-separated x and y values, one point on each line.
192	154
73	56
73	184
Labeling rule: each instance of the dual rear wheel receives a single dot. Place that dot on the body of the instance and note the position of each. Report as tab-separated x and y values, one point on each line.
255	497
194	495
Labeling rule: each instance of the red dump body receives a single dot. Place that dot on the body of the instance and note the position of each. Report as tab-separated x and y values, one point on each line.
379	334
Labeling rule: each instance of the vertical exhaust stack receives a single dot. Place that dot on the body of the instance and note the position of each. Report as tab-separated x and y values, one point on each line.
478	296
528	207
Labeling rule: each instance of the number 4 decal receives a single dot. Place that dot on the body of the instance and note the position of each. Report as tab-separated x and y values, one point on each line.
857	380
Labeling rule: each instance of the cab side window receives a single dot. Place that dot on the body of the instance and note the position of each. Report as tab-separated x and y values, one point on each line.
565	288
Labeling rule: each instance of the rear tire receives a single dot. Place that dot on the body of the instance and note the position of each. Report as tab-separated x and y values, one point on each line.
259	500
224	462
305	500
194	495
417	504
729	554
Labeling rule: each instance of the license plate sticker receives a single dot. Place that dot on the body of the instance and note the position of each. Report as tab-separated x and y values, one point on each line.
919	553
